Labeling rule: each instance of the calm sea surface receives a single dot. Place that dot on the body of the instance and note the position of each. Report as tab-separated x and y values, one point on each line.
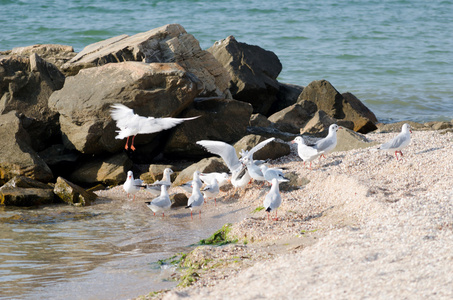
396	56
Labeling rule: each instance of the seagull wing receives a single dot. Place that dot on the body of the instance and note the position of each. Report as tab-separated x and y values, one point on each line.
152	125
324	144
224	150
395	143
258	147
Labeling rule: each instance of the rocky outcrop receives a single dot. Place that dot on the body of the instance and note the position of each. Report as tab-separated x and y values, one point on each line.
291	119
220	119
26	84
319	124
52	53
253	72
167	44
272	150
17	156
150	89
206	165
73	194
287	95
24	192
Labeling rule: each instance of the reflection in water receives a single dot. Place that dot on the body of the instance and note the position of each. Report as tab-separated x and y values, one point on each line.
105	251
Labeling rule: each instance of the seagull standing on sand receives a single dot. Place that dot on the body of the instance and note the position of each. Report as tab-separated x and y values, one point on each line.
327	144
273	173
154	188
306	153
399	142
131	124
211	191
131	185
195	200
273	199
161	203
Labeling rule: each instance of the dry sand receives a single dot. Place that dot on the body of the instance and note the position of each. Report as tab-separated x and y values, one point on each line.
365	226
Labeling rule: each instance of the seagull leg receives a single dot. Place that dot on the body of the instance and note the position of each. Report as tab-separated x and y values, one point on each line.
215	201
127	142
200	214
163	215
191	215
132	144
396	154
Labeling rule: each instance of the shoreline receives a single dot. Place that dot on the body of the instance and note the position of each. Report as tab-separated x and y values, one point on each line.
361	213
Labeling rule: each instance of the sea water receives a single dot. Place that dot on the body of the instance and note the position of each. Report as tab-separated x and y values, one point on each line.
396	56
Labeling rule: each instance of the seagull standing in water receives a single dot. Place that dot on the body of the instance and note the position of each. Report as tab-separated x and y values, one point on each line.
161	203
131	185
327	144
306	153
155	187
196	199
131	124
273	199
399	142
189	184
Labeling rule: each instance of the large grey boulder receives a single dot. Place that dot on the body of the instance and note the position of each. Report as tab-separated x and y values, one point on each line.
253	72
26	84
169	43
16	155
291	119
272	150
156	89
221	119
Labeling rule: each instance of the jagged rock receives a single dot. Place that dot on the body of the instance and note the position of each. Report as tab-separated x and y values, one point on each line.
439	125
319	124
110	171
272	150
24	191
25	86
221	119
253	72
17	156
349	140
358	106
155	90
206	165
54	54
290	119
73	194
329	100
287	95
167	44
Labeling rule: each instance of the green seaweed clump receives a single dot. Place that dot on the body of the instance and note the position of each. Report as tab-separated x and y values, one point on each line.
220	237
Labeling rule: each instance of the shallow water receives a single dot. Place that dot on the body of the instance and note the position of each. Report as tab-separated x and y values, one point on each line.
395	56
105	251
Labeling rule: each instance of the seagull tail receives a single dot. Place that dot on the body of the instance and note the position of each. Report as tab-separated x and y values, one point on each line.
189	206
268	209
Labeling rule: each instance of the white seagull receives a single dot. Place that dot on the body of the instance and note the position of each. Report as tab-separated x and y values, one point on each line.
273	199
208	178
305	152
131	185
327	144
211	191
161	203
399	142
273	173
154	188
131	124
189	184
195	200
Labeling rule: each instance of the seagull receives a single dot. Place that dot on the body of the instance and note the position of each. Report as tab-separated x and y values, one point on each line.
131	185
131	124
254	170
306	153
327	144
196	199
239	178
222	178
211	191
399	142
161	203
154	188
189	184
273	173
273	199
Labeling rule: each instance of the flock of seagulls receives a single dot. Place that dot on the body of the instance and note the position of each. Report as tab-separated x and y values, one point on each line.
243	169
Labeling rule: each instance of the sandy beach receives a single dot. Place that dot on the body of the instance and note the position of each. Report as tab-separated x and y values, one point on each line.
364	226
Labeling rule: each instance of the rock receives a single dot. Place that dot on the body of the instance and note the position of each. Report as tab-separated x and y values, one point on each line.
54	54
25	192
439	125
295	182
290	119
178	200
221	119
206	165
167	44
253	72
287	95
73	194
109	171
259	120
349	140
156	172
25	86
59	159
319	124
17	156
334	104
396	127
272	150
154	89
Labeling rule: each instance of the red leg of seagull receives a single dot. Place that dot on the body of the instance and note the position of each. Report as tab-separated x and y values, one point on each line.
191	215
396	154
200	214
215	201
276	218
132	144
154	213
163	215
127	142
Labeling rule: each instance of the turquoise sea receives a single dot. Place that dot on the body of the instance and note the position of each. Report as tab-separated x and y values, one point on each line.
396	56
